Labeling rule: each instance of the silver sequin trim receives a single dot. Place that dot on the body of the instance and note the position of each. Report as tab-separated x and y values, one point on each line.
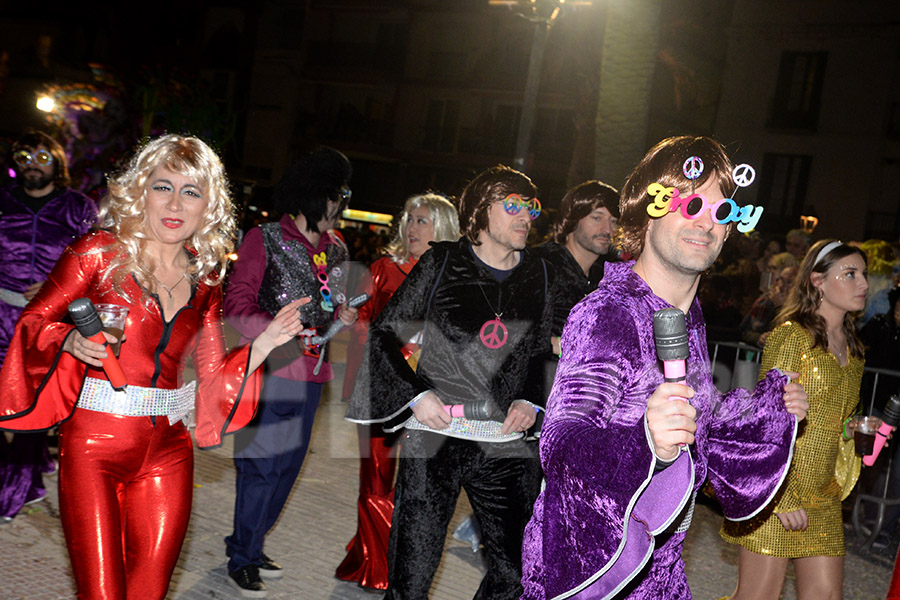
686	520
468	429
135	401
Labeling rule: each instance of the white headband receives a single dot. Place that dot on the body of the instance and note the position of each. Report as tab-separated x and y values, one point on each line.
825	250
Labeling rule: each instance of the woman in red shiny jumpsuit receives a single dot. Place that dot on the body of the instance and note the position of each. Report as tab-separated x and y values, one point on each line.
425	218
126	458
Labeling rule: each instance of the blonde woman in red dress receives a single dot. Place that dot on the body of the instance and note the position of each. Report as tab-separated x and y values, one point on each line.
425	218
126	457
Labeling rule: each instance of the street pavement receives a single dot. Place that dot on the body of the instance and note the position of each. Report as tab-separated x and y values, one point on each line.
318	521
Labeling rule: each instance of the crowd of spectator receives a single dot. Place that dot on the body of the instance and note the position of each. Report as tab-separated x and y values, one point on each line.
746	287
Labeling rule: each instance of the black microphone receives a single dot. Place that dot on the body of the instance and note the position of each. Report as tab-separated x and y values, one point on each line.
671	339
88	324
481	410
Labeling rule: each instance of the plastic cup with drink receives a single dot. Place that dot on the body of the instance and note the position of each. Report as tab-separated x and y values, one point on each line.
113	317
864	429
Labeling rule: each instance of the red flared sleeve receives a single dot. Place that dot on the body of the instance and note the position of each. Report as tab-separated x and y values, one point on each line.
227	394
40	382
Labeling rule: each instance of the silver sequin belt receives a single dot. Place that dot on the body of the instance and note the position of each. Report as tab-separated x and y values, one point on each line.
135	401
13	298
469	429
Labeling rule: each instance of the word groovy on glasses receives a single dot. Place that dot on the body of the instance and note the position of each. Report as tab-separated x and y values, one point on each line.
726	210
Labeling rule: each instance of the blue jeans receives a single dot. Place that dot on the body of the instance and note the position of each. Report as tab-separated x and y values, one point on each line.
268	455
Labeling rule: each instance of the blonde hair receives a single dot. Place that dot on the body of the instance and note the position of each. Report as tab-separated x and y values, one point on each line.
783	260
443	214
122	211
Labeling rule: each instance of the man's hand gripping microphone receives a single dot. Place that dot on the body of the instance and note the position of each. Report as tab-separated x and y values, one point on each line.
318	340
335	328
670	335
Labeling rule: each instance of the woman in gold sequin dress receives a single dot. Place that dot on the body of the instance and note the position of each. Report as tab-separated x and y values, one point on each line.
816	338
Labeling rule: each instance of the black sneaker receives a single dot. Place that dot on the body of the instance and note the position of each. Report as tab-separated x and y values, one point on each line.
269	569
246	580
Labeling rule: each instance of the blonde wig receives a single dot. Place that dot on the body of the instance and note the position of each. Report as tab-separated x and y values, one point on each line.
123	214
443	215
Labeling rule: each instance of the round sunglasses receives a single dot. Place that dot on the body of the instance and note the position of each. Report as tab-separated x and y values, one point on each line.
514	203
25	158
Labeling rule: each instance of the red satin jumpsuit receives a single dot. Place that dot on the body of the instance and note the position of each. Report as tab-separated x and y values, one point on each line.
366	560
125	482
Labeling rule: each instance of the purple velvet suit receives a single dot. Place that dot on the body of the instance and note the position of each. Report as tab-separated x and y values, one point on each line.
30	244
609	523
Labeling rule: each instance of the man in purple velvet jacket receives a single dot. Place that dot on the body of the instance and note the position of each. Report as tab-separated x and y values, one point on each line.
623	460
39	217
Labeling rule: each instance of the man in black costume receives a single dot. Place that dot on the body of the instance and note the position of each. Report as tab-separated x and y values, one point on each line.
484	306
582	234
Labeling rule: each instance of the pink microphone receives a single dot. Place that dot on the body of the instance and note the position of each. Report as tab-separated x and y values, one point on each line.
477	411
888	423
671	338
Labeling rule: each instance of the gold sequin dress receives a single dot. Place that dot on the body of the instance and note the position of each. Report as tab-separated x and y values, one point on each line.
824	468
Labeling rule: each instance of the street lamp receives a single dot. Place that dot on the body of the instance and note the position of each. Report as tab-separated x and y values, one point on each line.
45	103
543	13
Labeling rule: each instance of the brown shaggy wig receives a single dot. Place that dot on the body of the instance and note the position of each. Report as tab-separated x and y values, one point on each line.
492	185
579	202
663	164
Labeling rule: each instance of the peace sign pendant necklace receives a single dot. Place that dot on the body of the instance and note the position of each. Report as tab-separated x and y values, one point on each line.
493	333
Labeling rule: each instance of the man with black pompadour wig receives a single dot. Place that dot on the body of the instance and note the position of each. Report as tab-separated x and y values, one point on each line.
298	256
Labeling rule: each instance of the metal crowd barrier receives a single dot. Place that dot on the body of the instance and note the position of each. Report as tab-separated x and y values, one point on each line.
736	375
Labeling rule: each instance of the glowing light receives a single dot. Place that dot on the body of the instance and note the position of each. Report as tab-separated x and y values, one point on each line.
233	256
12	173
264	213
45	103
364	215
809	223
